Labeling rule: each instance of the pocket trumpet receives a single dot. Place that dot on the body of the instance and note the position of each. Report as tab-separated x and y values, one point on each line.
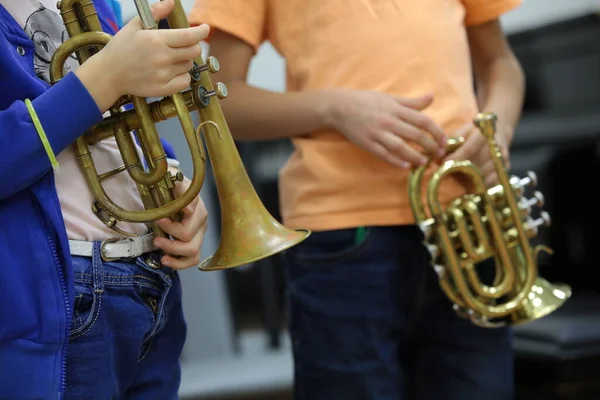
486	223
248	232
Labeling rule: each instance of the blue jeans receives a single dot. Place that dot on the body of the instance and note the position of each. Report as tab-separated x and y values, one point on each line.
368	321
127	332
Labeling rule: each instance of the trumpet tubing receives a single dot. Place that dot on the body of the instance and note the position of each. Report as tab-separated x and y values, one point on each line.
486	223
249	232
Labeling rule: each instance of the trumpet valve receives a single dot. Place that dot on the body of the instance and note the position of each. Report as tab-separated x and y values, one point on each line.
220	90
204	95
212	66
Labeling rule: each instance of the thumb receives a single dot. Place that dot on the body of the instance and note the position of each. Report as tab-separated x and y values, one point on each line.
162	9
417	103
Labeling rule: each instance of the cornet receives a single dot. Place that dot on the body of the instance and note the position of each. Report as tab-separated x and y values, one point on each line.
486	223
248	232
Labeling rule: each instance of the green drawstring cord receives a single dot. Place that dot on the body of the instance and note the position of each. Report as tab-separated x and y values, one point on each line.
360	235
42	134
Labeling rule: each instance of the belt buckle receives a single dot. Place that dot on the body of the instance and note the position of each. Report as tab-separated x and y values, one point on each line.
103	250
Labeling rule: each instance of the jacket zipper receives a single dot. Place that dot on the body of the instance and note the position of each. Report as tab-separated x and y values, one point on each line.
63	287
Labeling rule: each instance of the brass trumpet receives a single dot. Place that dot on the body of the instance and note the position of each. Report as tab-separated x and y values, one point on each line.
248	232
486	223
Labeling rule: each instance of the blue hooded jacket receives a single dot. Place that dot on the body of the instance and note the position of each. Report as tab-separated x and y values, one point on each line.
36	282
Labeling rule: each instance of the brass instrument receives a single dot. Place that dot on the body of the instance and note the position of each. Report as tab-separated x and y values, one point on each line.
482	224
249	232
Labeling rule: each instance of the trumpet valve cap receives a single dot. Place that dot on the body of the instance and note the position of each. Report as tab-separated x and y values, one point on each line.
213	64
221	90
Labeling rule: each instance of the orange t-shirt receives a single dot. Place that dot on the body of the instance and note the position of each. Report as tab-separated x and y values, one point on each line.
402	47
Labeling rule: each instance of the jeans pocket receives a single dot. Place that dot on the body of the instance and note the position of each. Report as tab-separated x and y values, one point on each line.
332	247
86	309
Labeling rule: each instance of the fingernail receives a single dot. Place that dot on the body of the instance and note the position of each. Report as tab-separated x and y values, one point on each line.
423	161
441	152
404	165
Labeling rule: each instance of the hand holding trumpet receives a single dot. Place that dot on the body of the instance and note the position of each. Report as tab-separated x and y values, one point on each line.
143	62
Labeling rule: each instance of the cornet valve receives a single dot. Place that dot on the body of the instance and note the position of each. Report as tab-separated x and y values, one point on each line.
426	228
533	181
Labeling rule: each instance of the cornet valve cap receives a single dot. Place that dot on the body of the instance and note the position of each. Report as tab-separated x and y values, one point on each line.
539	196
533	178
546	218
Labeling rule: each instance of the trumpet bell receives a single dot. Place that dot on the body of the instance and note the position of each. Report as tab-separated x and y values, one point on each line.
542	300
259	243
248	232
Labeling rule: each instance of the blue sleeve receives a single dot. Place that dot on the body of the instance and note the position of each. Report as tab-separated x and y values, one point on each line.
65	111
169	151
116	7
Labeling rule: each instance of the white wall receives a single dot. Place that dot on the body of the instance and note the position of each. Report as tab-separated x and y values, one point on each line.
534	13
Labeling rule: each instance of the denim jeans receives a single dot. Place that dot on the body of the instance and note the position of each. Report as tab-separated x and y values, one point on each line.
368	321
127	331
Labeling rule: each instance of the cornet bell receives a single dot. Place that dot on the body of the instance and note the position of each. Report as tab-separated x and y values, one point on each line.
543	299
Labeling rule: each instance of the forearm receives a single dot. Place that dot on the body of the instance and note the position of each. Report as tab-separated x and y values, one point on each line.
501	89
257	114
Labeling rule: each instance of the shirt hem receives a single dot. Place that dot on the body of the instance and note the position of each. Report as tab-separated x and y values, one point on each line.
329	221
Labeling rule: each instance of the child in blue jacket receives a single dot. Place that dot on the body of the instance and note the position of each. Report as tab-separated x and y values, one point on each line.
83	316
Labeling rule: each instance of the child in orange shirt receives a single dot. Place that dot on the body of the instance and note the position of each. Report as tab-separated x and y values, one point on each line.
368	83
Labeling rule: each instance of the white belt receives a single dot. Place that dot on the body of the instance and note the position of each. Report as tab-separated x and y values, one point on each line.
115	249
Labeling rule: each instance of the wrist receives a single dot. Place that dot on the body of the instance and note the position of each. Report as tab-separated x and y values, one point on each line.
99	82
329	109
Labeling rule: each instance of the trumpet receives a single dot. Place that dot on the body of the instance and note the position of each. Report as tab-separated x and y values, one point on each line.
248	232
486	223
